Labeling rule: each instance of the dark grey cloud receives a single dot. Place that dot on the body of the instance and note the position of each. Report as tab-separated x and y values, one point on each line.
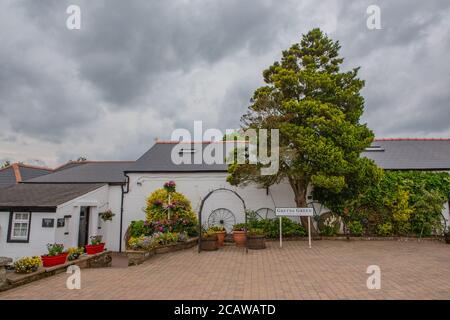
139	69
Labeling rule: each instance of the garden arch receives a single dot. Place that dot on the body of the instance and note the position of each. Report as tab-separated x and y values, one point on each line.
201	209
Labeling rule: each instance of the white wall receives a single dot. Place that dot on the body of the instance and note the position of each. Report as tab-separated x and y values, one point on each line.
39	237
106	197
195	186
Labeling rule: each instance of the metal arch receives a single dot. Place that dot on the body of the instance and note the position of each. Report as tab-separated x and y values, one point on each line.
201	209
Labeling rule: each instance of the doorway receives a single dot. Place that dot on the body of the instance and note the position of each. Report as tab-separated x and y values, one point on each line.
83	232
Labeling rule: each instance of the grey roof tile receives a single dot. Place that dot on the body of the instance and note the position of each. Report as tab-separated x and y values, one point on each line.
88	172
35	196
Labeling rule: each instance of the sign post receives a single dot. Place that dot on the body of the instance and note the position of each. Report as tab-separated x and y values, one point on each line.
295	212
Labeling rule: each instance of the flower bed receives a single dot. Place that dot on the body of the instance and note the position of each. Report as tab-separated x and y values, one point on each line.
169	226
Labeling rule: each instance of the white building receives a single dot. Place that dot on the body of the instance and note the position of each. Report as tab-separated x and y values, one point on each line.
64	206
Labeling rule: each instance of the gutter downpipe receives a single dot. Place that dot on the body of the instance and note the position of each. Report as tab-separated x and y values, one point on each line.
121	208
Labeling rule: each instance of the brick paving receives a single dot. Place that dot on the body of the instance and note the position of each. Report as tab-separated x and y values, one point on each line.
330	270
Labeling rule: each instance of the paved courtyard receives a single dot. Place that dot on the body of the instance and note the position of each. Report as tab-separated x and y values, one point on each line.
330	270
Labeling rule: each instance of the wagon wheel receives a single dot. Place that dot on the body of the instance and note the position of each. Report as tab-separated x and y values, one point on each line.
266	213
222	217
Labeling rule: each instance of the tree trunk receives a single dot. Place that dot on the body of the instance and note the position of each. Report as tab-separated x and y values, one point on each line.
300	192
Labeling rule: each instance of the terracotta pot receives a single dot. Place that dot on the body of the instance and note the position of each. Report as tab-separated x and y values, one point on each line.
95	248
221	238
256	242
209	244
239	238
50	261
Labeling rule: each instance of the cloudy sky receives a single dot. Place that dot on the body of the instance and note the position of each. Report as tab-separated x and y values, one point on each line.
139	69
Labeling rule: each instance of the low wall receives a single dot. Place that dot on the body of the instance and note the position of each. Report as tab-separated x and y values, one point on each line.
99	260
136	257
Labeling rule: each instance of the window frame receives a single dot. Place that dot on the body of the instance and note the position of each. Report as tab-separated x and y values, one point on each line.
11	238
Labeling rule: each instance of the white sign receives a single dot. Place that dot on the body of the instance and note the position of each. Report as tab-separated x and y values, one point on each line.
295	212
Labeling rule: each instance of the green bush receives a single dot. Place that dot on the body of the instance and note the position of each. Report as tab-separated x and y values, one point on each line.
355	227
404	203
385	229
271	227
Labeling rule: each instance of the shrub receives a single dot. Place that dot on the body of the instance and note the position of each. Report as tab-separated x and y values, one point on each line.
355	227
271	227
385	229
330	226
27	264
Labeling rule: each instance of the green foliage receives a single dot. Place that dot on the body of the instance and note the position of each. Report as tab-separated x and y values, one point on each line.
239	227
329	224
54	249
158	205
74	253
411	201
355	227
255	232
317	108
138	228
385	229
96	240
271	227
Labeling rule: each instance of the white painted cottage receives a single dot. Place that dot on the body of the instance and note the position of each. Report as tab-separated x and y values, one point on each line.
64	206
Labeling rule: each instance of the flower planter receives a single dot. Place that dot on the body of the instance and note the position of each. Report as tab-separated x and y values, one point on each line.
220	238
95	248
447	238
50	261
239	238
256	242
209	244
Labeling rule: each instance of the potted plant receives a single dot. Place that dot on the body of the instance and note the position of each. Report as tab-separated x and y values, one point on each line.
447	236
107	215
96	245
75	253
239	236
209	240
256	239
220	232
55	255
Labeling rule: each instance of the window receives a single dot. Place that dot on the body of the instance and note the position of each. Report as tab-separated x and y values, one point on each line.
19	227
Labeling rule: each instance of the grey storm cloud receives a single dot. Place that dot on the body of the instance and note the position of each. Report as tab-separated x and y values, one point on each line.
139	69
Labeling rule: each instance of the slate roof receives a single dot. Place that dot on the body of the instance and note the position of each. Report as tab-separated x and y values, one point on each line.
41	197
111	172
18	172
158	159
411	154
394	154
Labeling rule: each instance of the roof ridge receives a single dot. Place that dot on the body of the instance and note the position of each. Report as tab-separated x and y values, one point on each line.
17	175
